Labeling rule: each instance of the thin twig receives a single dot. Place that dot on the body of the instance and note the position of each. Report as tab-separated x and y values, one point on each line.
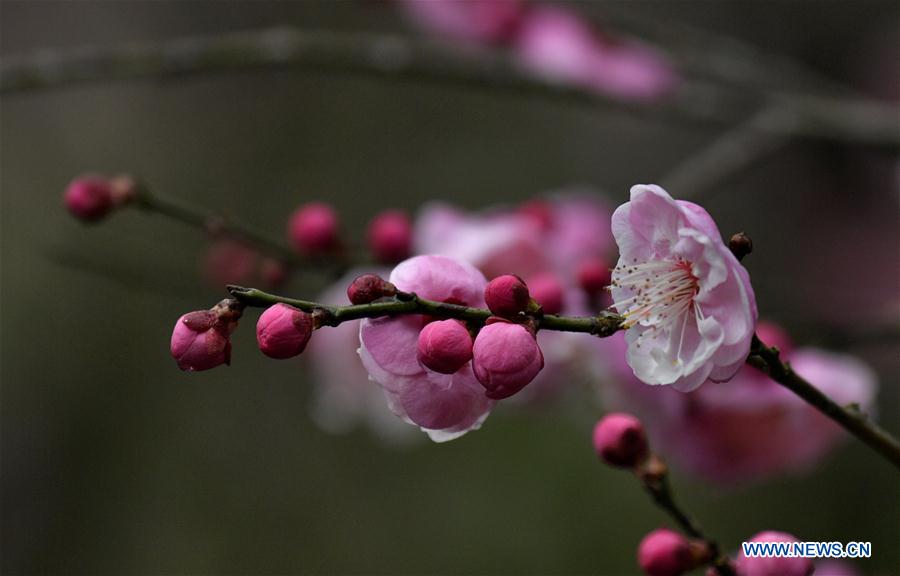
730	153
401	57
654	475
213	223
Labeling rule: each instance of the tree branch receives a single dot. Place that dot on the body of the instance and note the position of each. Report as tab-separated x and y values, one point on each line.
403	58
767	359
212	223
603	325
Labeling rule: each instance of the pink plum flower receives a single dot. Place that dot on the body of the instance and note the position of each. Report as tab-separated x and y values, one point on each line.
474	21
689	308
751	428
506	358
200	340
344	397
774	566
283	331
445	406
559	45
552	234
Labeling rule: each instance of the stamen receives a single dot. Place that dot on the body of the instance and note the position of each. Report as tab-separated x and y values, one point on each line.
658	294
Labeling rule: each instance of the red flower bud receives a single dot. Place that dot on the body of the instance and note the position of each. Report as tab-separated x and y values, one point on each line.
619	440
507	295
444	346
283	331
369	288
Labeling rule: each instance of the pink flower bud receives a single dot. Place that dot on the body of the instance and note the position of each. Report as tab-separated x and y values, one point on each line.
283	331
665	552
369	288
547	291
619	439
758	566
772	334
200	339
390	236
594	276
444	346
506	357
89	198
506	295
313	228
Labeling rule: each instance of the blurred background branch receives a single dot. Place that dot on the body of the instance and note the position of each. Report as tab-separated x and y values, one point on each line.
400	57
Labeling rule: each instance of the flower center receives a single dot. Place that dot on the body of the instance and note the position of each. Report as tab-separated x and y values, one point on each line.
657	292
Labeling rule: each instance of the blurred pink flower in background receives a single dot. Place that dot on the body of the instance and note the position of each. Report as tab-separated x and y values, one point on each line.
559	45
345	397
553	42
750	428
445	406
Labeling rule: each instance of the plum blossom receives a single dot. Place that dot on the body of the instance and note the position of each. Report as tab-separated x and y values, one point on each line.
445	406
751	428
690	310
559	45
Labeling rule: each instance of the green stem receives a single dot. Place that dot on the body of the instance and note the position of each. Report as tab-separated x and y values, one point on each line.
603	325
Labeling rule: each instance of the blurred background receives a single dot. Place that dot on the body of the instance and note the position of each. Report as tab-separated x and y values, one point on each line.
114	461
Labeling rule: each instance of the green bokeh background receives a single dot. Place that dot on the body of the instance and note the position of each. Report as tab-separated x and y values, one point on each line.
115	462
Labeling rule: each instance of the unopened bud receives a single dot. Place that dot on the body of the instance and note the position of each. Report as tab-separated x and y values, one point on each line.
369	288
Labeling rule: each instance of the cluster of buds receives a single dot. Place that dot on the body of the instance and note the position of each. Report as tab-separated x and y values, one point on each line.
314	230
504	353
621	442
